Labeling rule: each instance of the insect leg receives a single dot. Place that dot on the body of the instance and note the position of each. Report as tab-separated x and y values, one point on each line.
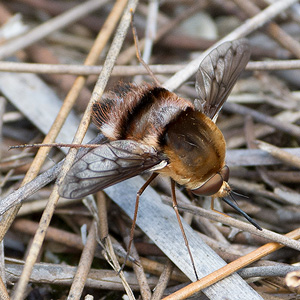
175	206
138	194
212	207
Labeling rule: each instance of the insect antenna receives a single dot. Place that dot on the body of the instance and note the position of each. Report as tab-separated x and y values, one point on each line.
138	52
138	194
175	207
235	206
238	194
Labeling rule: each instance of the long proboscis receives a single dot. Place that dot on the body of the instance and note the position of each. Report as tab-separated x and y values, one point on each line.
234	206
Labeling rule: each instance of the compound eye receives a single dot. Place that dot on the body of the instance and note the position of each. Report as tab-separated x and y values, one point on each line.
211	186
225	173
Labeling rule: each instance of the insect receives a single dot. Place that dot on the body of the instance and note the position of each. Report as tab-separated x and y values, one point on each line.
148	128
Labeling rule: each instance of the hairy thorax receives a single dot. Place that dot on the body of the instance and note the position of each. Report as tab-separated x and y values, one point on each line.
195	148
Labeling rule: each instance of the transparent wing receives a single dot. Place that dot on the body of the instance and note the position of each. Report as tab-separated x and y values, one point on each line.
218	73
106	165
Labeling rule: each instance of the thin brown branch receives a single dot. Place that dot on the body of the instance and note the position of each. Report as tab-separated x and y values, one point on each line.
84	265
98	91
272	28
263	118
286	157
46	28
230	268
250	26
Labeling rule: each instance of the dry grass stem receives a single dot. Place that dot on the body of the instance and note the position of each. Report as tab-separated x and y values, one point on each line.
230	268
48	27
163	281
116	45
85	70
286	157
84	265
272	28
129	53
242	225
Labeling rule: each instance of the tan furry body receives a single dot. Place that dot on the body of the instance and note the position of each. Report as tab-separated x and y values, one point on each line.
191	141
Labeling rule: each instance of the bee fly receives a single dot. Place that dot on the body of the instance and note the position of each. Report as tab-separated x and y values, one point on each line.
150	128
